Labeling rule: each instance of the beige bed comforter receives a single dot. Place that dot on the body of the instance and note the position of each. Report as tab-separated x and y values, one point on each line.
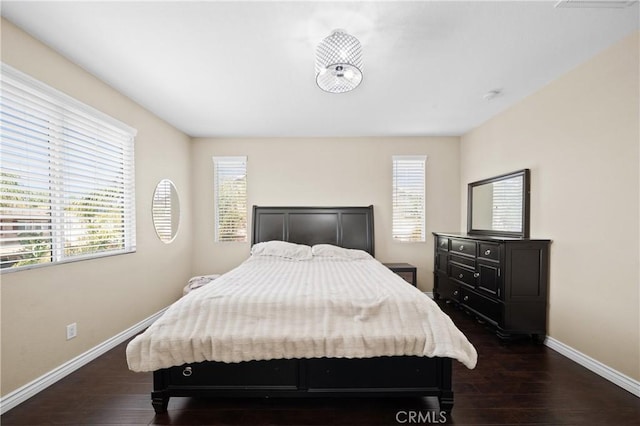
270	308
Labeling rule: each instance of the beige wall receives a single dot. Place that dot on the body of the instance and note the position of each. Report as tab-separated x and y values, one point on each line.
104	296
580	138
327	172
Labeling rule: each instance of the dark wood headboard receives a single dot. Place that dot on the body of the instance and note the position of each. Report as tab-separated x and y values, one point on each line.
348	227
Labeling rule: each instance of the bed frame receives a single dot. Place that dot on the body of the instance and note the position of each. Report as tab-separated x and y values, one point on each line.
396	376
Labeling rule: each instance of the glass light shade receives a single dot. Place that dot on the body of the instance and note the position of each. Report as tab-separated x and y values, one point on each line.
339	63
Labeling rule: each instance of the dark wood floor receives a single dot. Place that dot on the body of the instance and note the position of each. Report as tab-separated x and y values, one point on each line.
515	383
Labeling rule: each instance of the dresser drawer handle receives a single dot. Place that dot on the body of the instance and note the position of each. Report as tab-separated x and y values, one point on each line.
487	253
461	276
187	372
466	298
476	274
461	248
455	293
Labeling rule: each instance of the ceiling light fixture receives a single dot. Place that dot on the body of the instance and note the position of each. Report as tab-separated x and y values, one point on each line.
339	63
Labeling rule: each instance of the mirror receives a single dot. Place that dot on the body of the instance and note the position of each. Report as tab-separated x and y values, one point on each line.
499	205
166	210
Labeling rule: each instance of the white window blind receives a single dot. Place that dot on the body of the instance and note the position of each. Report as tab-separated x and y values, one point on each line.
230	194
67	183
409	198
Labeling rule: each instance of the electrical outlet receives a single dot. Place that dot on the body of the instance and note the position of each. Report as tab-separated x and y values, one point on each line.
72	331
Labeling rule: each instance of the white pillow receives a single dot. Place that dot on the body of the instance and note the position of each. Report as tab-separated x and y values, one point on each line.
282	249
328	250
197	282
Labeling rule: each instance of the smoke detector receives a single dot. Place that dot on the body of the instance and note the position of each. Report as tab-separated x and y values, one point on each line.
491	94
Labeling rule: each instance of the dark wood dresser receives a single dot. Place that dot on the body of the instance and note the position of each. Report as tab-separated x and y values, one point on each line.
502	281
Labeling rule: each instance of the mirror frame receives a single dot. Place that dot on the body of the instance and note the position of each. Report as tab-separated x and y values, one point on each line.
524	233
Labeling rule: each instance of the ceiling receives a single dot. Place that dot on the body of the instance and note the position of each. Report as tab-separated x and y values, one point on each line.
242	69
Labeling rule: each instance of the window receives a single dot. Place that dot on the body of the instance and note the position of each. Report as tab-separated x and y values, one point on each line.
66	177
230	194
408	198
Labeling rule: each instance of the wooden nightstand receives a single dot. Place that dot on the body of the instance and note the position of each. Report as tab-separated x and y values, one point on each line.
406	271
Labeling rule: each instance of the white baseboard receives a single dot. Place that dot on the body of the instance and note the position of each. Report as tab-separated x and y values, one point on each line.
429	293
20	395
614	376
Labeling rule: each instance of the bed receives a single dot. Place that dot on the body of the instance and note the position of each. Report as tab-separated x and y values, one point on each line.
263	356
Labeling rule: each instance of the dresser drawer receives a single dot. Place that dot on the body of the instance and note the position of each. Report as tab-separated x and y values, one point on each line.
489	251
272	373
490	309
464	247
445	288
443	243
463	275
469	262
344	373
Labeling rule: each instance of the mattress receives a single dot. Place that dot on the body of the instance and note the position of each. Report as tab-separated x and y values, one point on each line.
275	308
